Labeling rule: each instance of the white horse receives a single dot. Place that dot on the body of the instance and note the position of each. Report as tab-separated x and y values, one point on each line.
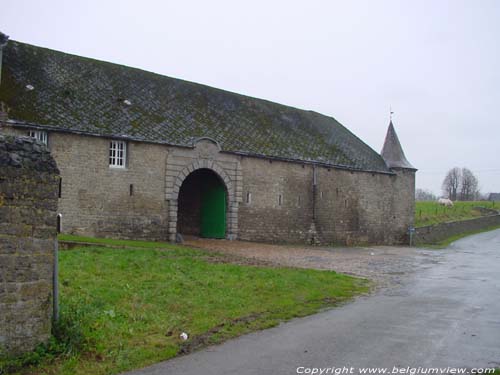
445	202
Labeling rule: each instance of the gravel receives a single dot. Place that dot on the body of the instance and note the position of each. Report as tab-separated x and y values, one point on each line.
386	265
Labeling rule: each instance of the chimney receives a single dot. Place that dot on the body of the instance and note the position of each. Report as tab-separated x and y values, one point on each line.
3	42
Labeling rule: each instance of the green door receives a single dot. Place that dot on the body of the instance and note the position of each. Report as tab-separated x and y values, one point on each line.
213	211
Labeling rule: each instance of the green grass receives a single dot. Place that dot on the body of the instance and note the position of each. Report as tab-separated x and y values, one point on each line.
125	308
429	213
117	243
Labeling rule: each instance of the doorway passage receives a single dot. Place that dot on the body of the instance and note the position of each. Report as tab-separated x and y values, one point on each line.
202	205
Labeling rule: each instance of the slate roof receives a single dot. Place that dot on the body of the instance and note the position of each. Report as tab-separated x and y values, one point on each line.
71	93
392	152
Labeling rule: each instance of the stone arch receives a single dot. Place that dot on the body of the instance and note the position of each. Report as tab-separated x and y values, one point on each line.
232	202
203	164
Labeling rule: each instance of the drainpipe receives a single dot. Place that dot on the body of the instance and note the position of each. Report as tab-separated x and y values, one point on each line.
314	195
312	237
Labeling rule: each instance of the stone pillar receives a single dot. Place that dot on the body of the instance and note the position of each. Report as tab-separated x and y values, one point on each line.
172	219
28	208
233	221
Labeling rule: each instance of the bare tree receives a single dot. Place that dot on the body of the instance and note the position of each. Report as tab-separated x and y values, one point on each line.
451	183
424	195
469	187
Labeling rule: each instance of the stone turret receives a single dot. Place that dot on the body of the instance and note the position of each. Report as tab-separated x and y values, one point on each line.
403	197
393	153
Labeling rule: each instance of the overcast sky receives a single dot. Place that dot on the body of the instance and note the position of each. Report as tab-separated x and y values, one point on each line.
437	63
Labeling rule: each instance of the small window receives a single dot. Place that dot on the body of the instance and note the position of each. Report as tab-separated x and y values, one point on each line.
39	135
117	154
59	193
249	197
131	189
280	200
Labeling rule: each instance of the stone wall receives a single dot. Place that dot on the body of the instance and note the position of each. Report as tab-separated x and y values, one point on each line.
363	207
268	200
439	232
264	216
28	206
97	200
351	207
101	201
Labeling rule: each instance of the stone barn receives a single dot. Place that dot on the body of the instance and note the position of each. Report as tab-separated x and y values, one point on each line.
148	156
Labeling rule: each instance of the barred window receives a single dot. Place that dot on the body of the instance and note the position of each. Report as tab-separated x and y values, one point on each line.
117	154
39	135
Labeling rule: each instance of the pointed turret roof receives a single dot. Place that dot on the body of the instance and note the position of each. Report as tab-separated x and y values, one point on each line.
392	152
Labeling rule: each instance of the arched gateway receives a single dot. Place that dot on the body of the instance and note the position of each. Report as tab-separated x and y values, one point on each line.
203	196
202	205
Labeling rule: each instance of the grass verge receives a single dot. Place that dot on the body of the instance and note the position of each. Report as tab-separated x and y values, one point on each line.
113	242
446	242
125	309
429	213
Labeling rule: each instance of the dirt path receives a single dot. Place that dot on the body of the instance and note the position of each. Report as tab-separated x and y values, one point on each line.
386	265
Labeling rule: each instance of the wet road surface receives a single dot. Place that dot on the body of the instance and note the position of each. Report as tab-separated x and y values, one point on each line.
446	313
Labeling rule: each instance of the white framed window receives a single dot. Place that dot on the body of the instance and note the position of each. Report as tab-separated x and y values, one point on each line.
39	135
117	154
249	197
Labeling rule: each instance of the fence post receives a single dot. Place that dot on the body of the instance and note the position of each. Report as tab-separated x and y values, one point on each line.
411	231
55	283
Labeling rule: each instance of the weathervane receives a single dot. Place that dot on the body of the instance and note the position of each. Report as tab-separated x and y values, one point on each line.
390	113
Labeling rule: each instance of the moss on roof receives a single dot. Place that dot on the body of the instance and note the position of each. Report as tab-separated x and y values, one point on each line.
85	95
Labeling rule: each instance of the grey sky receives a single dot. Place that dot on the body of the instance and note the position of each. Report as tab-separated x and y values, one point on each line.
436	62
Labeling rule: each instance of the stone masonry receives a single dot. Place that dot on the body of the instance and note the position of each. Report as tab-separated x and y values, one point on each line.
28	205
131	146
267	200
439	232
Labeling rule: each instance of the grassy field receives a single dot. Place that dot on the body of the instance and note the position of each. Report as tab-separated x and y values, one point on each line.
125	308
428	213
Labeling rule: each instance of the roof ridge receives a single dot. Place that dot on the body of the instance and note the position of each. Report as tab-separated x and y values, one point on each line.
163	109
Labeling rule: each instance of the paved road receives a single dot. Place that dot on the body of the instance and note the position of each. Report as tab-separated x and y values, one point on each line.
446	314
